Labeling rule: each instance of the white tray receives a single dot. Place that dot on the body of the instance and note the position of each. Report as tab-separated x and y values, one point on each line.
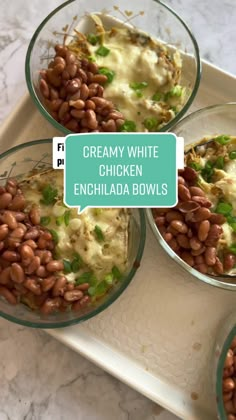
158	336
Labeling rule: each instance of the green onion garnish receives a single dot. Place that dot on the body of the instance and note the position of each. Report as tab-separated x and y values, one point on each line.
108	278
92	39
150	123
55	236
102	51
87	277
232	155
107	72
99	233
219	164
75	265
176	91
45	220
195	166
116	273
138	85
59	220
67	266
207	171
91	58
128	126
224	208
158	97
222	139
67	217
49	195
232	248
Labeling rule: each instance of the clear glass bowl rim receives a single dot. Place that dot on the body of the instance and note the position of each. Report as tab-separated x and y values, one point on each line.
209	280
64	130
125	282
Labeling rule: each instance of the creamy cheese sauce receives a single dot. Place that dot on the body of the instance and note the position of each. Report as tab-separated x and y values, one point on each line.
98	256
136	63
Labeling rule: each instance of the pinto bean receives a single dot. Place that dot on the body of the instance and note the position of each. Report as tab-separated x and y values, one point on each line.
203	230
48	283
195	243
17	273
180	226
188	207
55	265
59	286
217	219
196	191
73	295
50	305
188	258
229	261
9	296
183	241
210	256
5	275
3	231
213	235
32	285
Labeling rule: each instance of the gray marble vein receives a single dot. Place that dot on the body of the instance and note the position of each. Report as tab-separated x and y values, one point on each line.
41	379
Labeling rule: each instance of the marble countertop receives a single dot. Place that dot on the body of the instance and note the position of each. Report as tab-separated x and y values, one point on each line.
40	377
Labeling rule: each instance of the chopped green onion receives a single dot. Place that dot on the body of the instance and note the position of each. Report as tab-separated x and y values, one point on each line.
195	166
45	220
92	291
75	266
92	39
219	164
138	93
232	248
91	58
222	139
99	233
101	288
67	217
59	220
116	273
176	91
232	222
158	97
224	208
55	236
108	278
128	126
97	212
138	85
49	195
207	171
102	51
67	266
150	123
107	72
87	277
232	155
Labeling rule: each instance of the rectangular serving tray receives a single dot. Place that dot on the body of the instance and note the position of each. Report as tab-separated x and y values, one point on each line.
158	336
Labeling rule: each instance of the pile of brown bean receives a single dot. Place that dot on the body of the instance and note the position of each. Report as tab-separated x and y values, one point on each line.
28	271
229	382
191	229
73	94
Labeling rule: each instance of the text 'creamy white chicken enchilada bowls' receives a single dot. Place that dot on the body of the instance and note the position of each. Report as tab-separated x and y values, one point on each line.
200	232
99	67
58	268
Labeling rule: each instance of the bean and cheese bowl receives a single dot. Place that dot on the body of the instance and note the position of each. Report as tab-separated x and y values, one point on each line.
199	233
93	68
59	268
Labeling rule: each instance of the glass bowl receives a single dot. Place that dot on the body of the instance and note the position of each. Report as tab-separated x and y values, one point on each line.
150	16
16	163
213	120
223	341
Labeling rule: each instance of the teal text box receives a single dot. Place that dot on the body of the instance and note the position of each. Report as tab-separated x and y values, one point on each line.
120	170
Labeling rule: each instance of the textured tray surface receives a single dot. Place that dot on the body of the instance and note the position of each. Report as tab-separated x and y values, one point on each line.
158	335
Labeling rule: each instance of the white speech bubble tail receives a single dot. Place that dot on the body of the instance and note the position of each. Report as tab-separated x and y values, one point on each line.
81	209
